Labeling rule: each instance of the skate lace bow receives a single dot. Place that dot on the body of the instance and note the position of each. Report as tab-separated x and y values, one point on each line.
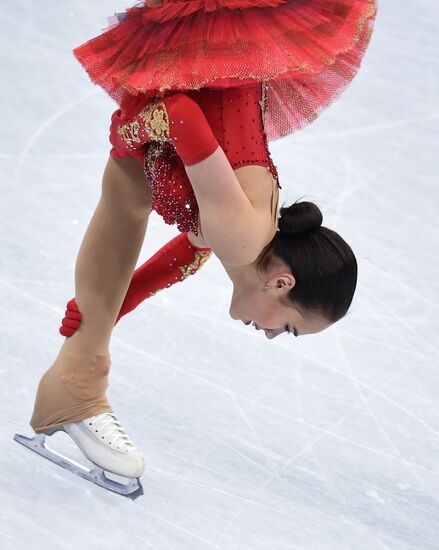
110	428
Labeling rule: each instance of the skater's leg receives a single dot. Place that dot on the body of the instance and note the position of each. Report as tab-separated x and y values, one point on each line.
74	387
108	254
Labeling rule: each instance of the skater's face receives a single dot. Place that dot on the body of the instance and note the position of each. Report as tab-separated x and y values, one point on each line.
275	319
268	309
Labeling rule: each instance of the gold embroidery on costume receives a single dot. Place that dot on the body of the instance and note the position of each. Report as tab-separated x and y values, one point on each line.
361	22
201	256
154	292
156	119
263	101
129	132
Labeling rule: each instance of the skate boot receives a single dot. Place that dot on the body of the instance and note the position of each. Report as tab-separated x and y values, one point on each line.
104	442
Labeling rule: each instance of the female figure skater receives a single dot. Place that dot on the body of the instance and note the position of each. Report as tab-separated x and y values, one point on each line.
251	70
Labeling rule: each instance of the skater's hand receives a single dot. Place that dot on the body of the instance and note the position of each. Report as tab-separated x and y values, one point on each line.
123	147
72	319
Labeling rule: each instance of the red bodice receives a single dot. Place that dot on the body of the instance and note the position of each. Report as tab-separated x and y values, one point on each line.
236	118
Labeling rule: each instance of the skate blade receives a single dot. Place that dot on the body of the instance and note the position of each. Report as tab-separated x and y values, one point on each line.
132	489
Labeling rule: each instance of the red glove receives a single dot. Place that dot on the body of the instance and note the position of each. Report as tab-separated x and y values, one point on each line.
174	262
72	319
175	119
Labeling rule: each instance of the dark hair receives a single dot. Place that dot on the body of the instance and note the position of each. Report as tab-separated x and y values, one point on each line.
322	263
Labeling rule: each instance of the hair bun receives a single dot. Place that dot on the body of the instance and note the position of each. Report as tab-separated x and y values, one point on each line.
300	217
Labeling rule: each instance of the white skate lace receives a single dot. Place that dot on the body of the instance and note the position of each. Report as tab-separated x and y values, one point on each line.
109	428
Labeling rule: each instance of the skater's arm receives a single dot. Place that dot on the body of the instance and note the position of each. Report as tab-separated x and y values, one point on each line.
236	228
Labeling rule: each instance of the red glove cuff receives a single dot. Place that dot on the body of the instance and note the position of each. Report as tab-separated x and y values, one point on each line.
174	262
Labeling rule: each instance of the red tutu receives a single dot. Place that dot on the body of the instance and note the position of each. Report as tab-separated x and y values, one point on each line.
307	51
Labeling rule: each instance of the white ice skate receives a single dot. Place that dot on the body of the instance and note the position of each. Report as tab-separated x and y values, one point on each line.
104	442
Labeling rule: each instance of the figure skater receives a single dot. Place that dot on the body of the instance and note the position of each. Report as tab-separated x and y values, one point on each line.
203	85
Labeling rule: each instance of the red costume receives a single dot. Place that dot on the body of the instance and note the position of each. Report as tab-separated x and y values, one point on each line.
307	51
233	117
258	69
293	57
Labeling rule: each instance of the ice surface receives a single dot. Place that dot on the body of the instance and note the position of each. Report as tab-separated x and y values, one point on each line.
328	441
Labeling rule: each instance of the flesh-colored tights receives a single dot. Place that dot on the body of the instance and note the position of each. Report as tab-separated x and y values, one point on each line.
73	388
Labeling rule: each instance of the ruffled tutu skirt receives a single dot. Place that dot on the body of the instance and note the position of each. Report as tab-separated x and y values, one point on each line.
307	52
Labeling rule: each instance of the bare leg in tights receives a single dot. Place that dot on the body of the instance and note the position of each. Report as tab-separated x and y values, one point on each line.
74	387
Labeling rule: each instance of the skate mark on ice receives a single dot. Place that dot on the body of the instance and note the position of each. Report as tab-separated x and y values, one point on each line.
46	124
383	306
328	431
371	128
406	288
324	431
374	417
370	178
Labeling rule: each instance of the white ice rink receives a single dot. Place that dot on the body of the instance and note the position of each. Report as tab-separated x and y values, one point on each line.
324	442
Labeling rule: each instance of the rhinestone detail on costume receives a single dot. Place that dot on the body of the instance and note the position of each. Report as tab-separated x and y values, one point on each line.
153	152
201	257
244	143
